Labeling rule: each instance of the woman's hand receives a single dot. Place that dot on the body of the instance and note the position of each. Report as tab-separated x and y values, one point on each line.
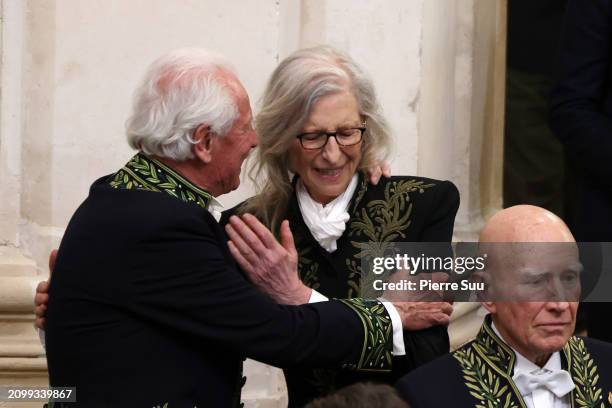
42	294
269	265
381	169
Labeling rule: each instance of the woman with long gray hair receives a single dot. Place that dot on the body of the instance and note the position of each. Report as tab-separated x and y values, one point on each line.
320	129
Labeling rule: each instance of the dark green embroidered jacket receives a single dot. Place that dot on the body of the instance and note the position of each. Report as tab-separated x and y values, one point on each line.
398	209
144	274
479	374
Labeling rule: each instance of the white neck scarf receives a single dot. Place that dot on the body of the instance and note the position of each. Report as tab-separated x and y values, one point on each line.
326	223
546	387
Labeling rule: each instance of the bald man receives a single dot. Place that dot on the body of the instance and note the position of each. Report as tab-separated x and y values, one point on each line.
524	354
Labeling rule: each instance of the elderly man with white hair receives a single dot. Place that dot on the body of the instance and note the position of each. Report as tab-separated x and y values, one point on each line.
146	306
525	354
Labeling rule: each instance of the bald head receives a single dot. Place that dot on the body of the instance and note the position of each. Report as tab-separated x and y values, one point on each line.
525	223
532	279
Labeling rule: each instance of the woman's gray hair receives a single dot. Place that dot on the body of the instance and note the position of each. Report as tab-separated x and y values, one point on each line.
298	82
180	91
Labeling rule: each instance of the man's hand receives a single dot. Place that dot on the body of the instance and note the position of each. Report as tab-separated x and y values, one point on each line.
417	294
42	294
271	266
381	169
422	315
419	309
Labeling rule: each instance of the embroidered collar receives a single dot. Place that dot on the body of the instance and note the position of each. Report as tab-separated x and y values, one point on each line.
494	349
486	356
146	173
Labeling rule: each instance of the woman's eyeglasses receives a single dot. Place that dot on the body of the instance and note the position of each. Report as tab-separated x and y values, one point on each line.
344	137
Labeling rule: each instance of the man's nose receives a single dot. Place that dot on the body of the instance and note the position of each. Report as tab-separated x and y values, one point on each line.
331	151
558	307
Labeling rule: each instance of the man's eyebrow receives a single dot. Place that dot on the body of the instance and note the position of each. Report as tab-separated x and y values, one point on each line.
531	273
575	267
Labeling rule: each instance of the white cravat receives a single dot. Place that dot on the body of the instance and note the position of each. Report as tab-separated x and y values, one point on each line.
326	223
541	387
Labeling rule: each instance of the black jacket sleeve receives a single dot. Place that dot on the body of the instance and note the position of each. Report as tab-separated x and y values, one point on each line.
188	282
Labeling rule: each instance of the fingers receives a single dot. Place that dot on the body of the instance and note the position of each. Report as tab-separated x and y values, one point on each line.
447	308
439	277
441	319
374	174
39	323
287	238
240	246
41	299
386	169
40	310
42	287
261	231
437	307
242	261
421	315
52	259
246	235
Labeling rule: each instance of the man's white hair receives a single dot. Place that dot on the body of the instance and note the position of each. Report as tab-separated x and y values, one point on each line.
180	91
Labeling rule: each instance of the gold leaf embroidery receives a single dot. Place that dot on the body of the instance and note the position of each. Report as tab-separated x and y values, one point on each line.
381	222
582	367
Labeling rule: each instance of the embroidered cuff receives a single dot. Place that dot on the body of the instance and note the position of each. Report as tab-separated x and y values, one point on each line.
376	353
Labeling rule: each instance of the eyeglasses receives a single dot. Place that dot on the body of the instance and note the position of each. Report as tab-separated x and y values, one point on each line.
344	137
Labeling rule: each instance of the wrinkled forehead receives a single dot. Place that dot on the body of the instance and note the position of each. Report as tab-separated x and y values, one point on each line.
512	261
513	253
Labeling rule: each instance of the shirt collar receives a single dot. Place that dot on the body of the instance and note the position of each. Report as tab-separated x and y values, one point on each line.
215	208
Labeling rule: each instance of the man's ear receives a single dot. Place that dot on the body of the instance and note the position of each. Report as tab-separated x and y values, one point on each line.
490	306
482	277
204	140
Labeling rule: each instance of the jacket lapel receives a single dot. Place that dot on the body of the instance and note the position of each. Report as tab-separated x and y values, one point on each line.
487	364
581	366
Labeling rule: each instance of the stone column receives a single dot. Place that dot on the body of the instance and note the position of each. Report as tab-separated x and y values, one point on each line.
461	116
21	356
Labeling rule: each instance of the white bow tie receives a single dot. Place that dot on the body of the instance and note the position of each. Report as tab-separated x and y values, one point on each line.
559	382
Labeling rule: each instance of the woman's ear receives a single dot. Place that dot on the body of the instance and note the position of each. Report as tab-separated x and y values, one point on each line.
204	140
